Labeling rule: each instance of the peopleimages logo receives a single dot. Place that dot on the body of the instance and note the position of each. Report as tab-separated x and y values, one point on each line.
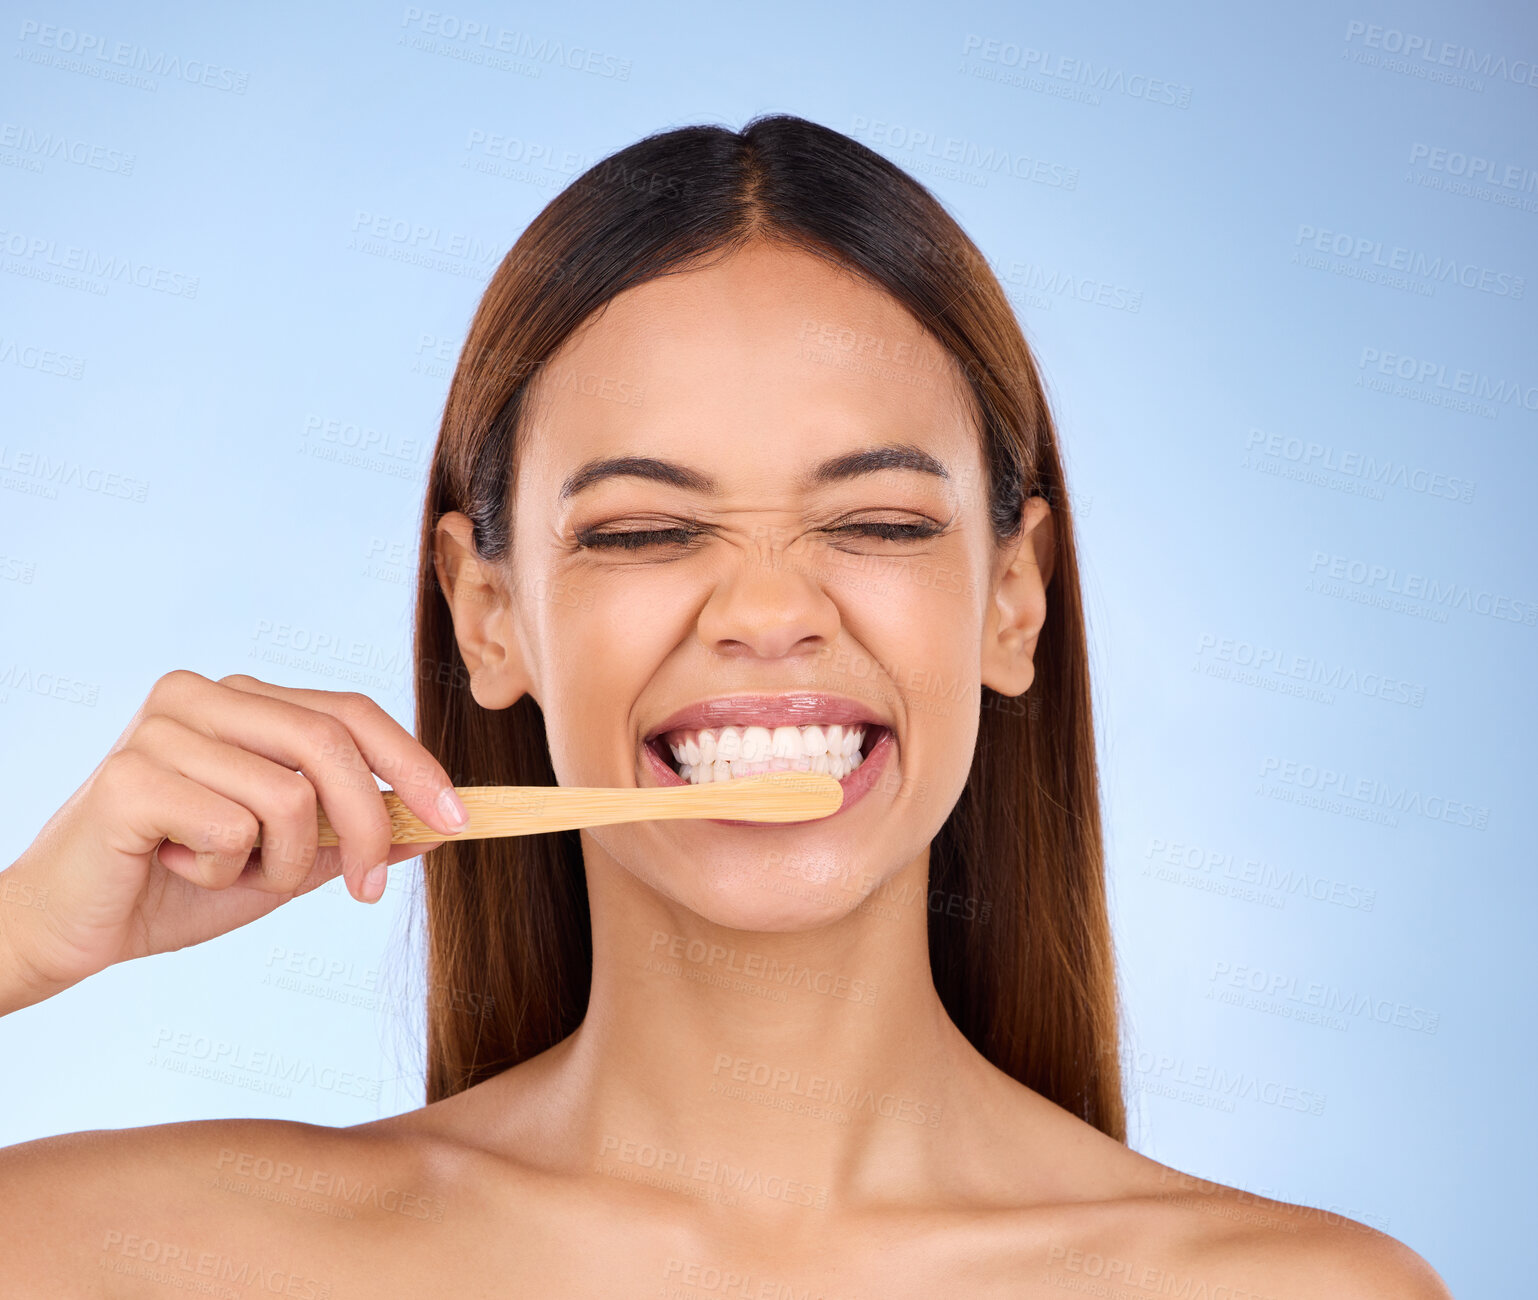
1474	168
979	159
1471	176
1446	54
758	966
63	148
481	37
45	259
1082	74
1271	662
1149	1070
1288	455
1332	1002
1370	795
184	1052
84	46
1436	374
1373	252
1442	592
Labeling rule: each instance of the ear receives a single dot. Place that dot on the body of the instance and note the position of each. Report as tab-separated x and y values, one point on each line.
483	611
1018	606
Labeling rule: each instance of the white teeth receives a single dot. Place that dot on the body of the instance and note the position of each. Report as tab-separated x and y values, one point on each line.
724	771
725	753
755	744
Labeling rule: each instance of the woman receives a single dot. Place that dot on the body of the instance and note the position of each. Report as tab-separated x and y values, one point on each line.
745	464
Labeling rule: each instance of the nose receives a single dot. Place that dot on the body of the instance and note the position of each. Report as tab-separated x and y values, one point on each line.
767	605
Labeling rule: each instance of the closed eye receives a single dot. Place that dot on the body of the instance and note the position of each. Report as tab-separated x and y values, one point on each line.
688	537
634	541
893	532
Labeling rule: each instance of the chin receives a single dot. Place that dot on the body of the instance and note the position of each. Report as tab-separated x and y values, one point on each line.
759	896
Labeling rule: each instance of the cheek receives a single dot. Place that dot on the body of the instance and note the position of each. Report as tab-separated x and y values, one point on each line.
940	582
913	617
597	663
918	628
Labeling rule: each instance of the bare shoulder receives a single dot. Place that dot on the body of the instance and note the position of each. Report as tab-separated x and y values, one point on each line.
1261	1248
1343	1258
113	1212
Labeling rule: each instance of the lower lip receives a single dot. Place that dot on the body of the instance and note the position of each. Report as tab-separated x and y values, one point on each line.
855	785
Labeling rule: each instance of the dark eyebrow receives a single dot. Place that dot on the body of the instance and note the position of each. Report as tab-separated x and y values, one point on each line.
870	461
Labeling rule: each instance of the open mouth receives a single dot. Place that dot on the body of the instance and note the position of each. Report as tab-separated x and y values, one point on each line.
698	755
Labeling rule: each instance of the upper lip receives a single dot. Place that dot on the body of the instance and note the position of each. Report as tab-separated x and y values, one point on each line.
793	709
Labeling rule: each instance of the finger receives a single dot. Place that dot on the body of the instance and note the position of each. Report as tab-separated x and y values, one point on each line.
378	877
317	744
151	801
283	801
326	868
387	747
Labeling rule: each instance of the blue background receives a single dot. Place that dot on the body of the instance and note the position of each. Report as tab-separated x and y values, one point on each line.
221	469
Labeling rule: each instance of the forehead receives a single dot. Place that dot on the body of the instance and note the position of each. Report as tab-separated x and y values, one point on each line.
757	364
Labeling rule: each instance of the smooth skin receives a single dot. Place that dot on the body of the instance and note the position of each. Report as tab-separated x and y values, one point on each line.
705	1132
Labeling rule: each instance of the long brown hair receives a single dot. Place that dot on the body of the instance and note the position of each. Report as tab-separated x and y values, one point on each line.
1025	969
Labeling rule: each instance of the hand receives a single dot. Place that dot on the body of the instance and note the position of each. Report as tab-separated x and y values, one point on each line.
212	763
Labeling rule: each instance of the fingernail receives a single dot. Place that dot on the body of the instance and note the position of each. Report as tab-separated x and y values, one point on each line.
374	882
454	815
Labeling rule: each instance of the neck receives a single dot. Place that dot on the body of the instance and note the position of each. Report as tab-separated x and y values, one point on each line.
820	1060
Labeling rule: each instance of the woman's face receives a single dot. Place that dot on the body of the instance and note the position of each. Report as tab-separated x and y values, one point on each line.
747	387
